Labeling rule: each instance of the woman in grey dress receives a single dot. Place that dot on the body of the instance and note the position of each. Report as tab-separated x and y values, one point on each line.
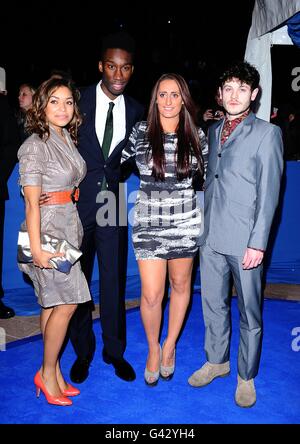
169	151
50	163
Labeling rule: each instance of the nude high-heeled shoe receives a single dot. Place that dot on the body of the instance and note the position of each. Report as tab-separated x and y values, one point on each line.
151	378
167	371
56	400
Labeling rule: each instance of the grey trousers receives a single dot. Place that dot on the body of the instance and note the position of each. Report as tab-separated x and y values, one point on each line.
216	270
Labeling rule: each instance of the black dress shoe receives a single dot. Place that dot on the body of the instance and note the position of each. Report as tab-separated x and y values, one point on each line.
6	312
122	368
80	370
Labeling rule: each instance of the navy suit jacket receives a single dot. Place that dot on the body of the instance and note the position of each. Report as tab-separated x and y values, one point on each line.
242	186
91	151
9	144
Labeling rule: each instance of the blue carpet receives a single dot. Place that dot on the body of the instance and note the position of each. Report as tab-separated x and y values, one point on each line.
105	399
24	302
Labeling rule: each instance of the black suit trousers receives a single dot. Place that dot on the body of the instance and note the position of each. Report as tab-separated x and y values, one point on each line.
2	216
110	245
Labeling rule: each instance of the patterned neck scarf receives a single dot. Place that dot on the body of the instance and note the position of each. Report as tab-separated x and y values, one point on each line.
230	125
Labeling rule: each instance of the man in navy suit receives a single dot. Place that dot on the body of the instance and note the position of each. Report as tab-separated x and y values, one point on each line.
9	145
104	175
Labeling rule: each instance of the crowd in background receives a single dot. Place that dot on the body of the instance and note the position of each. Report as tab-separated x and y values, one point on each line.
201	77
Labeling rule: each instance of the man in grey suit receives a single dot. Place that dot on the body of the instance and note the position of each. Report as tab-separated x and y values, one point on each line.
241	194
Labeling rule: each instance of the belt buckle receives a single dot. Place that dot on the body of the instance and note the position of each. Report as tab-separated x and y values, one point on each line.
73	197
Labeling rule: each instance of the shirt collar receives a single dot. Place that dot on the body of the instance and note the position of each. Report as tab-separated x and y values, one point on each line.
237	120
105	99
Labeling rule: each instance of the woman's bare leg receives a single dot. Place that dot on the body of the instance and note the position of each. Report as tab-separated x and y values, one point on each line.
180	272
153	277
54	324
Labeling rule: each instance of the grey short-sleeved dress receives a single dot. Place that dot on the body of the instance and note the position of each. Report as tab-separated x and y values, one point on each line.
167	218
55	166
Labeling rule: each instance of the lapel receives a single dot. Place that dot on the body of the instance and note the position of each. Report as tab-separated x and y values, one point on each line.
239	131
129	116
218	132
88	110
90	123
65	148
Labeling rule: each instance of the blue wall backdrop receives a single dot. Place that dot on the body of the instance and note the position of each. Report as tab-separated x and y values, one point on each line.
283	259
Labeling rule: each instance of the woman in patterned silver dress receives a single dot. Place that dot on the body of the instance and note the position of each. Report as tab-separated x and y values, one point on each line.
50	162
169	151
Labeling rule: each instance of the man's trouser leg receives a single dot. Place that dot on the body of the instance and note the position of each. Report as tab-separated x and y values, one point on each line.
215	288
248	288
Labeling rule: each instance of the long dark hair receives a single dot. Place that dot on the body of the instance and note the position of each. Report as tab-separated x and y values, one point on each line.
36	118
188	141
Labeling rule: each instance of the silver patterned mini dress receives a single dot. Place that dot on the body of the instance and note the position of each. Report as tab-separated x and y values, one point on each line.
167	218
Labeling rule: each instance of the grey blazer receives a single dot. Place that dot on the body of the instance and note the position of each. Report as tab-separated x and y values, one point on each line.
242	186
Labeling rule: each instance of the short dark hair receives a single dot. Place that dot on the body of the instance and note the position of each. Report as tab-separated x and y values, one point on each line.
243	71
120	40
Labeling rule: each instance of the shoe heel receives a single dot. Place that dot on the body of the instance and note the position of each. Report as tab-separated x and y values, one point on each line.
56	400
38	391
167	372
155	375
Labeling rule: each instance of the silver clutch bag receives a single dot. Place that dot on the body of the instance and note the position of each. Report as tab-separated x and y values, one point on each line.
53	245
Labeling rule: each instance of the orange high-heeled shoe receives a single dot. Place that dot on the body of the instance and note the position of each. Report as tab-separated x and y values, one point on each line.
70	391
56	400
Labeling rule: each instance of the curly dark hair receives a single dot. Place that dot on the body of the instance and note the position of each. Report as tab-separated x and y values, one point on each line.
242	71
36	118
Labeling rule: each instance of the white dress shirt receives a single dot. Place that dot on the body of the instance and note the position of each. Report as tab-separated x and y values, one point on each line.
119	117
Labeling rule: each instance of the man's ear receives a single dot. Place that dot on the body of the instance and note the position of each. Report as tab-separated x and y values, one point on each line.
254	94
100	66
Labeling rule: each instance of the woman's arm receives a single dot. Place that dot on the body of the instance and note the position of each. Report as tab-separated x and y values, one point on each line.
204	148
33	222
128	164
130	149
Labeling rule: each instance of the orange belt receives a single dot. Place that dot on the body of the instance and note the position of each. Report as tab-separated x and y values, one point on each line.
61	197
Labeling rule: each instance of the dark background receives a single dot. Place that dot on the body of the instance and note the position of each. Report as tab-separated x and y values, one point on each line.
196	39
